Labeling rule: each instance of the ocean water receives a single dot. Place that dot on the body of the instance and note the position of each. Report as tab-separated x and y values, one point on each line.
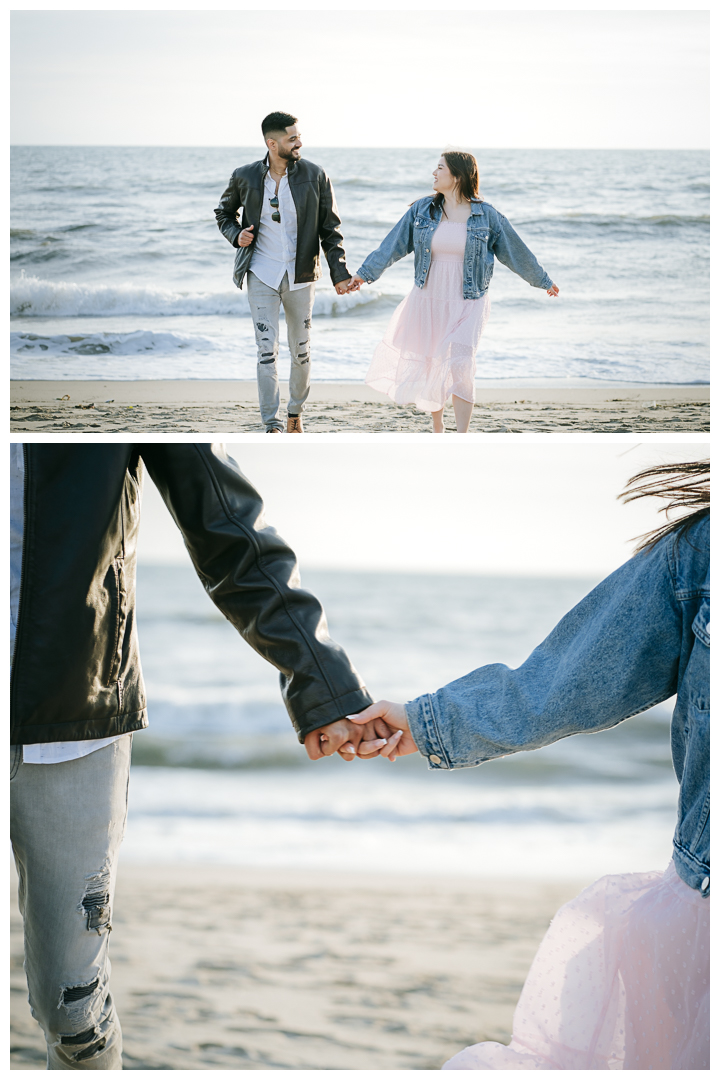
119	271
219	775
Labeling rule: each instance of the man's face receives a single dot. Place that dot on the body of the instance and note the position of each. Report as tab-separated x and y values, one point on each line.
287	146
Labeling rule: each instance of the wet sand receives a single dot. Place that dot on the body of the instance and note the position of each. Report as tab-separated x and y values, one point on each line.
231	407
233	968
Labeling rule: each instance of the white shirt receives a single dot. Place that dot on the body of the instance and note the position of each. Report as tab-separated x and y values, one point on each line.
35	753
276	243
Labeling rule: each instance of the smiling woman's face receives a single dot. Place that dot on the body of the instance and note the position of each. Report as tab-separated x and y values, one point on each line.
444	179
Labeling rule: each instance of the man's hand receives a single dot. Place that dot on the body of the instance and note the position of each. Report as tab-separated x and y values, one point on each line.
393	716
553	290
343	286
344	737
246	237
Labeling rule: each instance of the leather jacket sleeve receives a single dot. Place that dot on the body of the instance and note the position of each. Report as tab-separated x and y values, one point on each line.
329	231
226	211
251	574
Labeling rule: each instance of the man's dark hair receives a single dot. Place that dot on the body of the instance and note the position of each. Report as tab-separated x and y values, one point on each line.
277	122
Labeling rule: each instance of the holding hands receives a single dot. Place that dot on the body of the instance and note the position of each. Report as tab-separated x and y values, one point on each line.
350	285
380	730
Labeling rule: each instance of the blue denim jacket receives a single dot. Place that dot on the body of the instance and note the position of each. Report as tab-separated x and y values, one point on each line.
489	234
641	636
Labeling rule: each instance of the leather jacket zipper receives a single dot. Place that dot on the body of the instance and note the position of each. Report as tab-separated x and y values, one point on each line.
23	574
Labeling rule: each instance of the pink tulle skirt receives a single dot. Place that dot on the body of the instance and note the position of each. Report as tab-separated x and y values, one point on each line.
620	981
428	351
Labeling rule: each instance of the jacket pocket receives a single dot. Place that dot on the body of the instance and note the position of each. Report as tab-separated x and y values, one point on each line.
701	623
118	601
483	260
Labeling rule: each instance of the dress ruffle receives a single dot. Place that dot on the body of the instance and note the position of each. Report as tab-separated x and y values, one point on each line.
620	981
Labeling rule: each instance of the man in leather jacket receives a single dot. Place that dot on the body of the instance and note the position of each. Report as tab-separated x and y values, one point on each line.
288	210
77	691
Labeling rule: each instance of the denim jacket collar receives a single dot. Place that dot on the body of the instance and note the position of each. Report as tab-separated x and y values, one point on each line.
476	207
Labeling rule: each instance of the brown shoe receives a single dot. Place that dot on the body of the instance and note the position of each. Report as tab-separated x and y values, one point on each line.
295	425
274	431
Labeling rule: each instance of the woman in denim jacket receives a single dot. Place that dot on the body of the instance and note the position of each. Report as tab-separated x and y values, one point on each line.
428	352
621	979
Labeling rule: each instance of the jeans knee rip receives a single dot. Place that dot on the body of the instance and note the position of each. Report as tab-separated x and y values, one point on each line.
95	904
81	1004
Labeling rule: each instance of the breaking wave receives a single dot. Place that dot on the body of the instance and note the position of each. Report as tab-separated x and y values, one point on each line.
34	297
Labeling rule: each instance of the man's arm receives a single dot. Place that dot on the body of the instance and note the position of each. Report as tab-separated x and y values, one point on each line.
251	574
330	236
227	210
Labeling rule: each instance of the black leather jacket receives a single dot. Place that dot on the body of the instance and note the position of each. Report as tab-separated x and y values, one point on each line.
76	669
318	221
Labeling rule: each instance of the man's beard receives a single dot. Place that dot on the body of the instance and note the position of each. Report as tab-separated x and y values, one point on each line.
287	155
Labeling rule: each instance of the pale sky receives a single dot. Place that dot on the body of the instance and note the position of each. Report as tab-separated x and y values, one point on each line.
360	77
531	509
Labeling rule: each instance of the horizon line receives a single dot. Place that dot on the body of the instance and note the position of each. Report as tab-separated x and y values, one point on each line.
232	146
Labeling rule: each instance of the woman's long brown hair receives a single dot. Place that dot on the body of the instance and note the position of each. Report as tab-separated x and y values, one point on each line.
685	485
464	168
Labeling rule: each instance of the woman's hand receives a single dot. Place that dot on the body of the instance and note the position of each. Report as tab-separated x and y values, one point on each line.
246	237
553	290
344	737
355	282
393	715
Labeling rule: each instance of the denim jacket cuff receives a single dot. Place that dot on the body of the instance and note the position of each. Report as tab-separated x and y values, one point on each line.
546	282
364	275
425	733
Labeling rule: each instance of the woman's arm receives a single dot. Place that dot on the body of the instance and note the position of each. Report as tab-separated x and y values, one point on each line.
517	256
614	655
397	244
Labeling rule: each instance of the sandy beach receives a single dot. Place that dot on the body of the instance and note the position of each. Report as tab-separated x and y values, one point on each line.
232	968
195	405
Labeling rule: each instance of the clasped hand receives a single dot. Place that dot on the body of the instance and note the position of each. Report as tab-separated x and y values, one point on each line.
351	284
380	730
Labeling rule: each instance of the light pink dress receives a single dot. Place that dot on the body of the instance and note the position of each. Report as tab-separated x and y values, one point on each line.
620	981
428	351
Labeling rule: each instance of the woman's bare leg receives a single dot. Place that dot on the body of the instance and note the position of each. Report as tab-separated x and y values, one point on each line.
463	412
438	425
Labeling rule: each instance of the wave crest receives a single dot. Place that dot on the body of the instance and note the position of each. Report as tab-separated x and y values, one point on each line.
31	296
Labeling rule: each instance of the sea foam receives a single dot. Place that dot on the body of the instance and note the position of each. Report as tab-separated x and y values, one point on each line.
31	296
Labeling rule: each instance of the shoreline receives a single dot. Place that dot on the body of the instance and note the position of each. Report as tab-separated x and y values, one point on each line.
227	967
205	405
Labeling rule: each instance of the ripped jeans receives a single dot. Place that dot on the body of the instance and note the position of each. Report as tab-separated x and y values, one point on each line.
265	310
67	823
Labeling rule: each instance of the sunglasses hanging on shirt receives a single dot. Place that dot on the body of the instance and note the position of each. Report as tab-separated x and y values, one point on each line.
275	203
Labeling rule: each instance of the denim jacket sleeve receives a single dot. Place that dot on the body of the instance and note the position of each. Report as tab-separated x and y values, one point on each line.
614	655
514	253
397	244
